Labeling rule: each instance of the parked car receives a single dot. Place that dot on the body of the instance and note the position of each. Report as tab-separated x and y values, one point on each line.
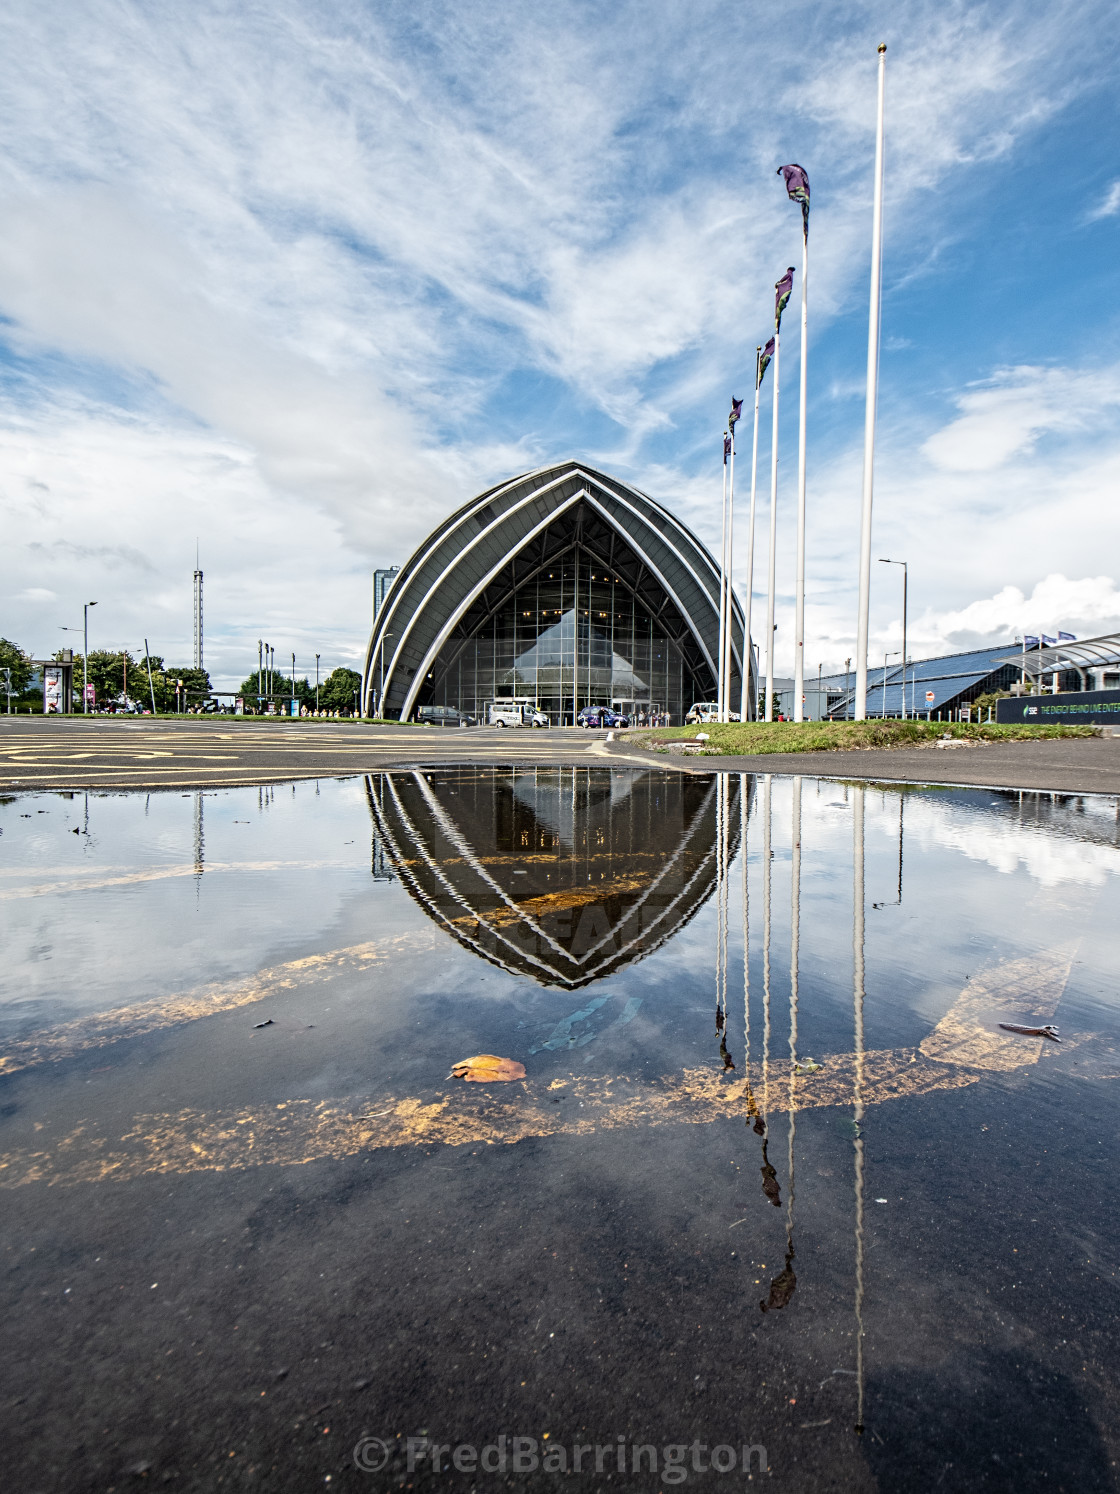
440	715
593	716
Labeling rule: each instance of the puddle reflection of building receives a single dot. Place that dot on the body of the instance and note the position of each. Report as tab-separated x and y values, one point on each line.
564	875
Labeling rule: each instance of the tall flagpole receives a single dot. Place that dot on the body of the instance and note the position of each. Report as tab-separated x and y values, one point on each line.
729	601
749	708
860	713
722	588
773	539
799	622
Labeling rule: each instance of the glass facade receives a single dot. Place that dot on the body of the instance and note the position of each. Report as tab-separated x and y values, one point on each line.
571	635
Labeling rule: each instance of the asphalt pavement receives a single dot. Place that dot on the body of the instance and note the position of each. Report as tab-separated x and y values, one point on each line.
109	753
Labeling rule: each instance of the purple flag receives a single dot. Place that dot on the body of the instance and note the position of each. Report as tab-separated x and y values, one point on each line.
783	289
736	412
726	449
1030	641
797	185
764	359
1067	637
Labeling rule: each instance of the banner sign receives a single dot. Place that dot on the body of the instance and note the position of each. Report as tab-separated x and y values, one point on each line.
52	690
1073	707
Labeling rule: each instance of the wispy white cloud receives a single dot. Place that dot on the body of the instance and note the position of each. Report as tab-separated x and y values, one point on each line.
353	264
1006	418
1109	205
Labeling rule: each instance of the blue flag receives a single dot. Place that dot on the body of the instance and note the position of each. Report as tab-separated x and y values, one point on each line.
1067	637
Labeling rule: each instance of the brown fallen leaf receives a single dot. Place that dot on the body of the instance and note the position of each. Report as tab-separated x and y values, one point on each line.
486	1068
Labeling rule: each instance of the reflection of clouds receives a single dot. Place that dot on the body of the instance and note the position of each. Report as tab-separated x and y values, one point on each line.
274	884
1048	858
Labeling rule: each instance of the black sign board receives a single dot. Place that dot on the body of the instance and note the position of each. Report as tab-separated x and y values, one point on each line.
1073	707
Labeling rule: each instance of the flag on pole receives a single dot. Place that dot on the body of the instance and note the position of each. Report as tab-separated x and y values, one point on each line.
797	185
726	449
783	289
1067	637
764	359
1031	641
736	413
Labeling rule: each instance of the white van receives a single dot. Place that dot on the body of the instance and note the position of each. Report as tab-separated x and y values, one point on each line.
517	712
705	711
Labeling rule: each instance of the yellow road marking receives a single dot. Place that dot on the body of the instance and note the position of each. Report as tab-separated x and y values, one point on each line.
298	1132
100	1029
1025	991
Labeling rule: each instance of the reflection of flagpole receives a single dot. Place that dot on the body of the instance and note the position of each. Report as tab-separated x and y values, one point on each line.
748	708
746	933
721	900
860	713
857	1095
722	589
773	538
799	601
794	974
766	789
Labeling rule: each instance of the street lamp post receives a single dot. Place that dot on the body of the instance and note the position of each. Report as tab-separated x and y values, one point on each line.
316	684
260	671
847	686
905	587
885	658
294	711
85	657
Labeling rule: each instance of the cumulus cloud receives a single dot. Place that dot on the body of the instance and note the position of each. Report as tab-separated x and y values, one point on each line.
1084	607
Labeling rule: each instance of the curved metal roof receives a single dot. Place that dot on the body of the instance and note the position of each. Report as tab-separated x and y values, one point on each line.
1083	653
456	563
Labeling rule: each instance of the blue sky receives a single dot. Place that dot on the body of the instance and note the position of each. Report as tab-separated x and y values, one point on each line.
299	279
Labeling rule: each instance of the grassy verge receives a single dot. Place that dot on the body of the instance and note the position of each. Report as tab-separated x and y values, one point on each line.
748	738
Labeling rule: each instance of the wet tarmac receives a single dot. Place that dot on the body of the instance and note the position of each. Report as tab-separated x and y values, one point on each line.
778	1201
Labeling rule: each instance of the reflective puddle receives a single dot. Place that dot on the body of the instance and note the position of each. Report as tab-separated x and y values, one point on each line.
782	1195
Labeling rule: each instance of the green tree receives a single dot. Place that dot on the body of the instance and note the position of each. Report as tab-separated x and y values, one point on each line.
336	693
196	684
13	657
